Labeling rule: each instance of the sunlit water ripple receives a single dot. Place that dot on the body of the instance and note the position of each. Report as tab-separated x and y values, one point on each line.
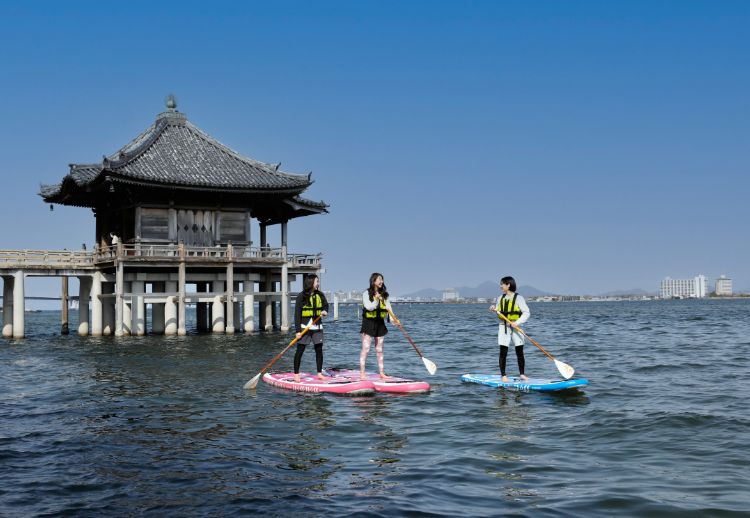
161	426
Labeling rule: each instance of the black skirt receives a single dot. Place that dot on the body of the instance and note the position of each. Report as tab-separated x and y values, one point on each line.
374	327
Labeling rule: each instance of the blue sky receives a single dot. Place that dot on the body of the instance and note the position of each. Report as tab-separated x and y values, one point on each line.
582	147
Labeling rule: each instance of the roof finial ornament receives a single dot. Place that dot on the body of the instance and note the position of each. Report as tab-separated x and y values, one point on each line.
171	102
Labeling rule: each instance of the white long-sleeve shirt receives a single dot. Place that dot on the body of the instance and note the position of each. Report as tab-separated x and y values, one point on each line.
372	305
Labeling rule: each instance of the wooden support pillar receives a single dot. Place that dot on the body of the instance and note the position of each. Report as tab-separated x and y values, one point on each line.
217	313
65	296
248	306
119	290
19	305
230	292
108	310
170	310
97	313
127	312
269	306
284	291
138	308
181	298
84	295
8	306
237	310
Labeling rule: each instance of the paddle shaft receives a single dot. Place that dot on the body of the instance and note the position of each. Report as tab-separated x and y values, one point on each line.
524	334
268	366
398	323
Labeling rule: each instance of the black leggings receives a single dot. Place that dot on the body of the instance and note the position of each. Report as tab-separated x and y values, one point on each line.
519	356
318	357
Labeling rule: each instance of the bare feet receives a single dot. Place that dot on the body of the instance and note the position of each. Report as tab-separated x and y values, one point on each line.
320	376
505	379
296	378
524	377
362	376
383	375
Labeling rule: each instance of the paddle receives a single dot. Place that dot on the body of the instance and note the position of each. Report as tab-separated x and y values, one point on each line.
565	369
254	382
430	366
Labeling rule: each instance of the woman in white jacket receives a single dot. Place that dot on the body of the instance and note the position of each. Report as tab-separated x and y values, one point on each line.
375	308
513	306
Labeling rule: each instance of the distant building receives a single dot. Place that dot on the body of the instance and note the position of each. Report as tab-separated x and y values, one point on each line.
723	285
697	287
450	295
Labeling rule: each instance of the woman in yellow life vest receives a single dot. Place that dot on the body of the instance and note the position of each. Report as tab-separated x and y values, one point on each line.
310	303
513	306
375	306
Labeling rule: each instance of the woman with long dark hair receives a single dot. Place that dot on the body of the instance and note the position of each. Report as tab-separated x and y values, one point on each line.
374	314
310	304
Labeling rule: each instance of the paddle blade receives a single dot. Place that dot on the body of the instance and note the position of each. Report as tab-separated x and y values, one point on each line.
431	367
565	369
252	383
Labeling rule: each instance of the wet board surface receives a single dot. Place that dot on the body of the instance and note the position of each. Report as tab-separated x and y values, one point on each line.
532	384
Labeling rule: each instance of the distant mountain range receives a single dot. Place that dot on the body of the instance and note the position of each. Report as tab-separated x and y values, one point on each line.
489	289
486	290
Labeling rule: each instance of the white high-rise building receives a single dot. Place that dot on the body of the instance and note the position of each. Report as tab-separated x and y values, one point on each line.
697	287
723	285
450	295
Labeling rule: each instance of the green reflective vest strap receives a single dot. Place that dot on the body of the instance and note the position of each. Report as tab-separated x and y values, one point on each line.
380	312
313	306
509	308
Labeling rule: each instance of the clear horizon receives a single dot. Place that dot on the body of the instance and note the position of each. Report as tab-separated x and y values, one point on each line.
581	147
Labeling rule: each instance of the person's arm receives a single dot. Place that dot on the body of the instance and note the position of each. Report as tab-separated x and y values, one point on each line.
298	312
324	302
369	305
525	312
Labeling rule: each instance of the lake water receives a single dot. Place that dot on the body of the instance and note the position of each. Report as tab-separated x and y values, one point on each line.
160	426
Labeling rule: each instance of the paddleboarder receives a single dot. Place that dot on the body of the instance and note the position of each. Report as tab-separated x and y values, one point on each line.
513	306
374	313
310	303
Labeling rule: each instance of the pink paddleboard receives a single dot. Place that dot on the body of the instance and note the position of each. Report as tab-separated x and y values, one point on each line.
391	384
311	383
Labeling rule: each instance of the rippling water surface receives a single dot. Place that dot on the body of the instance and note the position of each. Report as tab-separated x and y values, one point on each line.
161	426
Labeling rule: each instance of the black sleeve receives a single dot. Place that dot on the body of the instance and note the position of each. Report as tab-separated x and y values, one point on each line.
298	311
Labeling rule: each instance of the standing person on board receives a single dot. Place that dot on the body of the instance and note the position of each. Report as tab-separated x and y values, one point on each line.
374	313
310	304
513	306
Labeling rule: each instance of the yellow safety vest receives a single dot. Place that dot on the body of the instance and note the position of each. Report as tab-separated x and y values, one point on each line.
509	308
313	306
380	312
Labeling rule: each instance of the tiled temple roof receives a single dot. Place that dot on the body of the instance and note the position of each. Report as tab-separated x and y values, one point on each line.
174	153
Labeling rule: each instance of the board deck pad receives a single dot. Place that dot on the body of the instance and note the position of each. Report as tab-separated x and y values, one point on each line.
392	384
532	384
311	383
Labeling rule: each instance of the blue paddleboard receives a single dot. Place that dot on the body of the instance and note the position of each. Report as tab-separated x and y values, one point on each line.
541	385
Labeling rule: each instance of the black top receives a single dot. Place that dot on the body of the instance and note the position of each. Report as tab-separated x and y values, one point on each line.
300	301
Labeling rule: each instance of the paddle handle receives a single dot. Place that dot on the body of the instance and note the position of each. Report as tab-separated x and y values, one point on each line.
398	323
524	334
269	364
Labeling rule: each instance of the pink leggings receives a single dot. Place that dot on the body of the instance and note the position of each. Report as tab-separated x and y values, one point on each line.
366	341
